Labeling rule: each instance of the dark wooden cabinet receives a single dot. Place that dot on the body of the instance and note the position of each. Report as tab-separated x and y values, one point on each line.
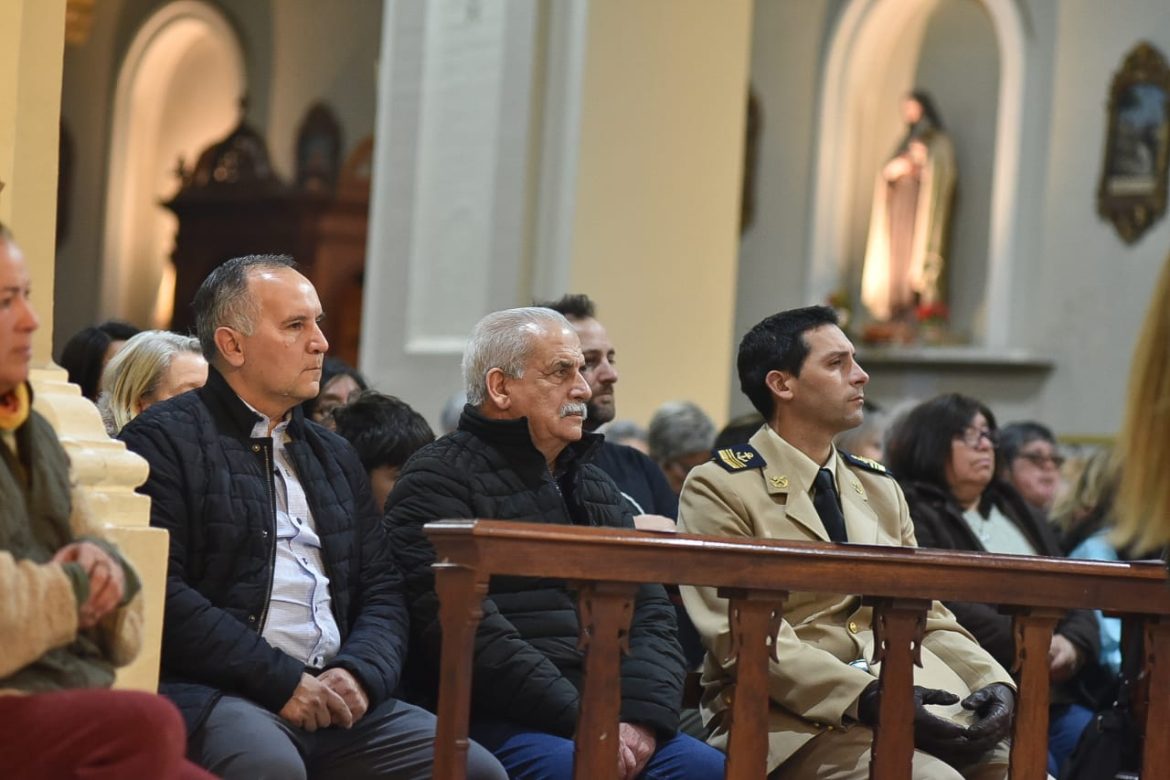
233	204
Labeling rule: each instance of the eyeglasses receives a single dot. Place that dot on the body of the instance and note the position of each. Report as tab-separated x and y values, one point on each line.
971	436
1040	460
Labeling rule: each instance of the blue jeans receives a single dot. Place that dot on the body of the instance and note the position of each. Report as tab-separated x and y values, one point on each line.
537	755
1065	724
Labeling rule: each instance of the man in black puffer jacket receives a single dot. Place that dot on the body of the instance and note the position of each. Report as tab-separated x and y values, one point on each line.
286	626
520	454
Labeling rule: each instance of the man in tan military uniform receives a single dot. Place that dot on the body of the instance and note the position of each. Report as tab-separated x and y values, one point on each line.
798	369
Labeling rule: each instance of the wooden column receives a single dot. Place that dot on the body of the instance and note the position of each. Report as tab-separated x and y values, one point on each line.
1033	629
461	591
755	618
1156	748
898	625
605	609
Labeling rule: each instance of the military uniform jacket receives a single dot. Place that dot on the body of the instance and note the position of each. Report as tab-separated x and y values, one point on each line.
763	492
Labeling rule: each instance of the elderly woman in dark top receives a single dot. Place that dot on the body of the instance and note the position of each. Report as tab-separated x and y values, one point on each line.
943	454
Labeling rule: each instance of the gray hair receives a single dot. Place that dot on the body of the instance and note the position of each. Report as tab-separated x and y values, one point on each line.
504	340
223	299
679	428
135	372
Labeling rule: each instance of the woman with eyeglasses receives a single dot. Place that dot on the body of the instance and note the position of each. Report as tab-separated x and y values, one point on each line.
943	453
1029	460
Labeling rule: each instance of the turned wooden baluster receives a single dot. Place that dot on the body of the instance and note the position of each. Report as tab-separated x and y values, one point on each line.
755	619
604	610
461	593
1156	748
1033	631
898	626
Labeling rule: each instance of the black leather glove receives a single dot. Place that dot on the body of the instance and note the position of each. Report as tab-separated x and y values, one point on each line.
935	735
993	707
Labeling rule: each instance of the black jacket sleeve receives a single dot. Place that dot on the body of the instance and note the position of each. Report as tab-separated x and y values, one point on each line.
511	679
202	643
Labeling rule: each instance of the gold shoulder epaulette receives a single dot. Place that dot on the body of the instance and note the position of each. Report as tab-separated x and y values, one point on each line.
865	463
741	457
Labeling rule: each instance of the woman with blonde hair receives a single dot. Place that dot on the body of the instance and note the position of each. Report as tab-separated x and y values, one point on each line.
1143	496
153	366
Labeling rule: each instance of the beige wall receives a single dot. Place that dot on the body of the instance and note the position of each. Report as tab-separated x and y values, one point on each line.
655	232
31	41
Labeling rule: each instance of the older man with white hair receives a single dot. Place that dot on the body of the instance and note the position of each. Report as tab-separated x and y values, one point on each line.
521	453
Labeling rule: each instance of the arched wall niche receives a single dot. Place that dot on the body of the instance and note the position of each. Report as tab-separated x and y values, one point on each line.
178	90
874	57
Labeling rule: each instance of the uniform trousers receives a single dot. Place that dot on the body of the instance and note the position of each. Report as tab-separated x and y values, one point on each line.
844	755
538	755
93	734
243	741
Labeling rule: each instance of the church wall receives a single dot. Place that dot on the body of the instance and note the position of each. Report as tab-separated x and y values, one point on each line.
1078	293
1087	293
295	55
787	45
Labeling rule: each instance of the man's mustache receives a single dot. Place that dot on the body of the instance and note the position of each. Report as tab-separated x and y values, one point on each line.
577	409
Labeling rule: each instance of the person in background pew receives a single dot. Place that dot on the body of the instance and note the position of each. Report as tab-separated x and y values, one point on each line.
71	608
521	453
789	482
86	353
153	366
385	432
944	454
681	436
340	383
1029	460
286	622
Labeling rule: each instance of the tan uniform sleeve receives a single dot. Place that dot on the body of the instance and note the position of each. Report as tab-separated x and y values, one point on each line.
806	681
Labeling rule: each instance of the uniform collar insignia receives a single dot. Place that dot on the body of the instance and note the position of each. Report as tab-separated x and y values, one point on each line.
739	458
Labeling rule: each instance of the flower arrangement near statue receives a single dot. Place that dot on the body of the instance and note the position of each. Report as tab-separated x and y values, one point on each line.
932	322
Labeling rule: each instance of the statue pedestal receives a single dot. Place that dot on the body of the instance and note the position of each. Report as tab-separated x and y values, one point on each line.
1012	381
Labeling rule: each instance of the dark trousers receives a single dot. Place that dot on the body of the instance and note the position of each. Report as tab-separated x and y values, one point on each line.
536	755
93	735
241	740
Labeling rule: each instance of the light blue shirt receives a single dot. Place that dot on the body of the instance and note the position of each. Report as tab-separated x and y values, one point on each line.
1098	548
300	617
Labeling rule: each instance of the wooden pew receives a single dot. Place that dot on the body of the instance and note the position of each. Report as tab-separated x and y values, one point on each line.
606	565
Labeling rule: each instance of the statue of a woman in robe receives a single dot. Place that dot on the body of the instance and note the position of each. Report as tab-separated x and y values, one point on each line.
908	226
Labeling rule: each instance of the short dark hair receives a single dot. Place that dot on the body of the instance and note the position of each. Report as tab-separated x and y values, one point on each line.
1013	438
576	306
777	344
384	430
223	298
919	446
83	355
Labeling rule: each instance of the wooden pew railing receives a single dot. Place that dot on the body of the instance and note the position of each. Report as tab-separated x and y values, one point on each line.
606	565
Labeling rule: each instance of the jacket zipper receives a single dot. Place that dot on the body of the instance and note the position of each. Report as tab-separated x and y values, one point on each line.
268	465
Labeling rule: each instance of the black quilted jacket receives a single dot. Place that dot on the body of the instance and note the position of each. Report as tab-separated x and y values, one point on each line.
527	667
211	487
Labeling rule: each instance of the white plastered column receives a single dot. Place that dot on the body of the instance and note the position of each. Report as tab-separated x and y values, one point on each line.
32	37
